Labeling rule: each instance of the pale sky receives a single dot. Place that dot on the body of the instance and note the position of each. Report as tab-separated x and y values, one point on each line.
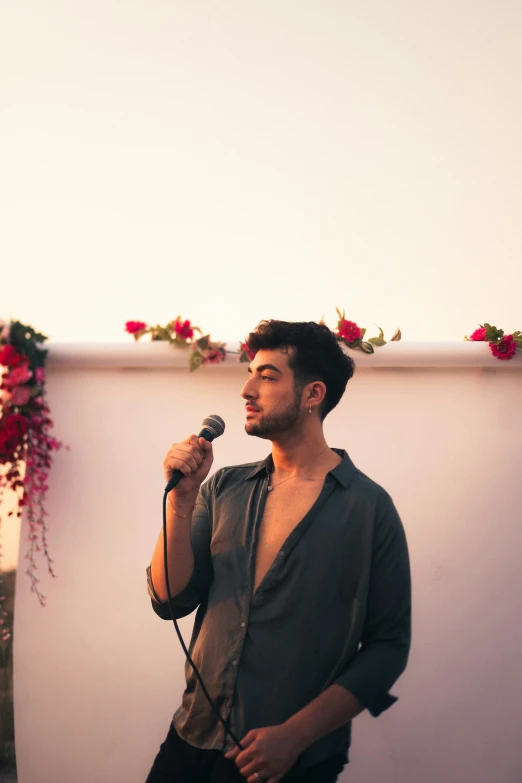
237	161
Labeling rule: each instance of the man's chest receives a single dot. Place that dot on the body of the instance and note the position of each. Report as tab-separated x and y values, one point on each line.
285	508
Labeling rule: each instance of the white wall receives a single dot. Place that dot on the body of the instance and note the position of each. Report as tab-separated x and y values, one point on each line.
98	675
241	160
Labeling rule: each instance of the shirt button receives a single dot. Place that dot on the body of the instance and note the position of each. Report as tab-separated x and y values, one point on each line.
281	553
243	625
234	662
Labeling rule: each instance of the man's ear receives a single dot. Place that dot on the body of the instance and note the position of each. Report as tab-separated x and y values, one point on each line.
315	393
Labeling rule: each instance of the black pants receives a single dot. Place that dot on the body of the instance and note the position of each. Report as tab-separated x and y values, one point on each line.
179	762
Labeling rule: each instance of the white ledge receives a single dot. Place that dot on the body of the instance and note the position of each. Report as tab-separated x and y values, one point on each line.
161	355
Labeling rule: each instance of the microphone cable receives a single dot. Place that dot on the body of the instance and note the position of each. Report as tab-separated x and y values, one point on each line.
180	637
213	427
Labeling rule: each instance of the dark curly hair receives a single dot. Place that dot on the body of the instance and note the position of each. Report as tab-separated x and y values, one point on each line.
317	355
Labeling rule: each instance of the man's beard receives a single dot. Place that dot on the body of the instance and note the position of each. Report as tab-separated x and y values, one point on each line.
277	422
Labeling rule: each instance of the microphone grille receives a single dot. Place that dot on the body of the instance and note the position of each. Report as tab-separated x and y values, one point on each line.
215	424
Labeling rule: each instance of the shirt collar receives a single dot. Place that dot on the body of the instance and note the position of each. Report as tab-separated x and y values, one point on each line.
344	472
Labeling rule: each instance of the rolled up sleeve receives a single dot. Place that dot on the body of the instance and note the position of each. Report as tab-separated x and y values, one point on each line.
386	638
196	590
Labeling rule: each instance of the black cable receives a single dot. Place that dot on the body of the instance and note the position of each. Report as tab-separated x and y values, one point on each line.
189	659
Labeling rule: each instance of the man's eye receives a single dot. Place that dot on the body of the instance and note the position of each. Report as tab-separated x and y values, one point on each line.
266	378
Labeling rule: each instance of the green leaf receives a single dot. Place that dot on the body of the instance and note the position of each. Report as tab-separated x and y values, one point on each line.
25	339
195	361
367	348
355	344
203	343
378	340
493	334
396	337
363	332
341	315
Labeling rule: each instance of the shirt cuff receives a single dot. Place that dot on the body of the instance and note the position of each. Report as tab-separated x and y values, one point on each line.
375	703
150	588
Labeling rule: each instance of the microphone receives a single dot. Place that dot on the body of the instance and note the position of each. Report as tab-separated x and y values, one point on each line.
213	427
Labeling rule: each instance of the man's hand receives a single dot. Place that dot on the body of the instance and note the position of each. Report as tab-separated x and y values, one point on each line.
269	752
193	457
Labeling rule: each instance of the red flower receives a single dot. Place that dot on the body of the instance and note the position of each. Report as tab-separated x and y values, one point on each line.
132	327
478	334
245	348
16	424
349	330
505	349
183	329
215	356
8	442
11	357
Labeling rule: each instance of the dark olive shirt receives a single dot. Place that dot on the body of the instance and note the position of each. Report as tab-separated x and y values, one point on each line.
334	607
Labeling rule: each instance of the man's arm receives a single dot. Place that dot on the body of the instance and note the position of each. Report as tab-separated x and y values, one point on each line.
273	750
188	533
333	708
180	556
386	635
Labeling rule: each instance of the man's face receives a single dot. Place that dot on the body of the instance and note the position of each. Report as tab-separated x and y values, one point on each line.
273	404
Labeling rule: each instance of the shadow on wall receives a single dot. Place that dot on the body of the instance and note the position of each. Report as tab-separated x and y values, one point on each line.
7	745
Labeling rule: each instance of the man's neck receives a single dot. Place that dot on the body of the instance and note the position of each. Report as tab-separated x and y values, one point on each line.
297	454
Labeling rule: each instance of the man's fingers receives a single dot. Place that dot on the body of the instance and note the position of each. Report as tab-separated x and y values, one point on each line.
249	770
185	453
249	738
232	753
194	449
186	463
244	759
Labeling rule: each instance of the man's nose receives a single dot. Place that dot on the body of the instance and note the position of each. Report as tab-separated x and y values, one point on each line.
248	391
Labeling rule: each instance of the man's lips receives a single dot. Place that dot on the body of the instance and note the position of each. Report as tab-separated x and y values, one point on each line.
251	409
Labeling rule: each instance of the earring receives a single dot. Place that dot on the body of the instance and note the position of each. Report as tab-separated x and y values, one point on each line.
310	409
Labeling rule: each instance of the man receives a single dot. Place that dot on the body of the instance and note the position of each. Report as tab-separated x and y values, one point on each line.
299	566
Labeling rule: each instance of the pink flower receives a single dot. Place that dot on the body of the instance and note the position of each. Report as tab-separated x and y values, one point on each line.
39	375
183	329
505	349
245	348
478	334
19	375
215	356
132	327
20	395
349	330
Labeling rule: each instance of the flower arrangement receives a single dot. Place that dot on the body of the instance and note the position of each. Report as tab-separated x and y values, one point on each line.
25	438
205	351
352	335
181	333
503	346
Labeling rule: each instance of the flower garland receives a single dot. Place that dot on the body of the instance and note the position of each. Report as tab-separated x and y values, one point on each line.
204	351
502	346
25	425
